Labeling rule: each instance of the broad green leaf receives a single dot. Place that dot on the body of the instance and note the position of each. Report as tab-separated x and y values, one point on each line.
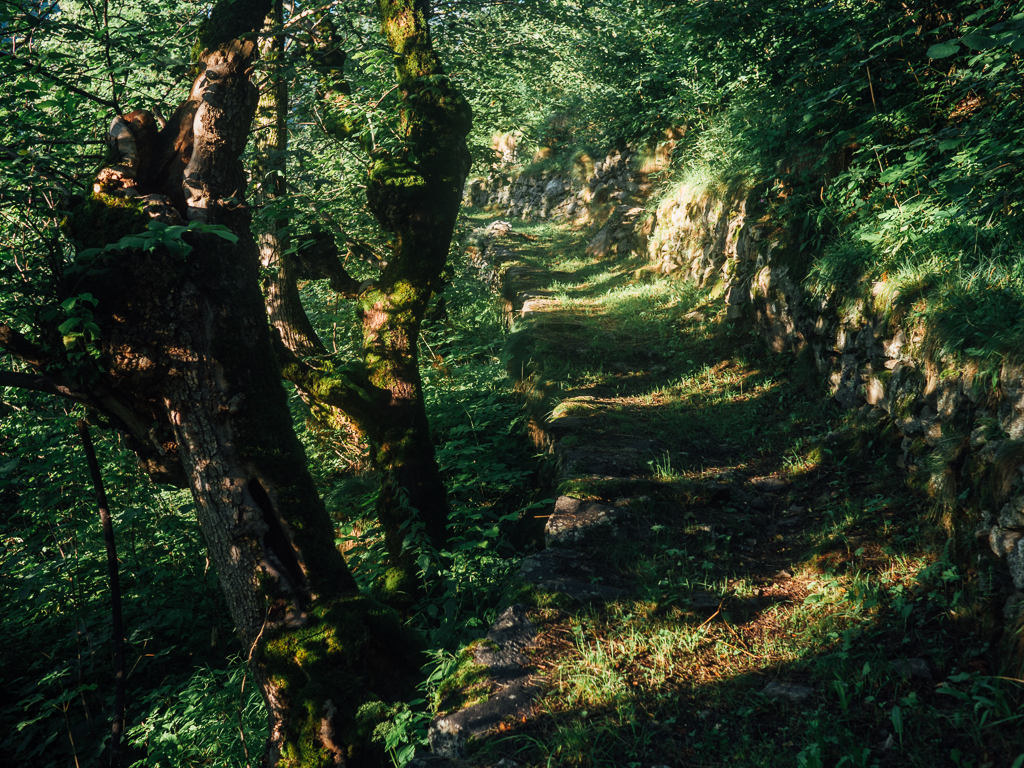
942	50
975	43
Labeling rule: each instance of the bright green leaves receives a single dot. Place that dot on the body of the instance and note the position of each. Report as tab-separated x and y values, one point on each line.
984	31
974	43
80	325
76	324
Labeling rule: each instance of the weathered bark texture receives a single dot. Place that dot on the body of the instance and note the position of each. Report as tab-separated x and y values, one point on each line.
186	350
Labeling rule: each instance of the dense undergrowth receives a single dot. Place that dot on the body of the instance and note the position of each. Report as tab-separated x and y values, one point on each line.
883	141
891	157
850	596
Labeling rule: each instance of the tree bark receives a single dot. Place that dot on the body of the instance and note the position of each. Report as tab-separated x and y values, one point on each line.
415	195
116	620
281	291
282	268
186	348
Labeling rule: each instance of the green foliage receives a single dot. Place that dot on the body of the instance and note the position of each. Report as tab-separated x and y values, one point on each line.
216	715
485	459
891	173
56	667
406	732
80	326
161	235
886	138
887	141
542	69
836	580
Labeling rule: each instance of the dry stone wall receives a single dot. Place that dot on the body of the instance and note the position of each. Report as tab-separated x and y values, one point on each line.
962	428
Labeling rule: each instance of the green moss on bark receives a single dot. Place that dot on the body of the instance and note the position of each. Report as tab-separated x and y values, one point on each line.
101	220
350	664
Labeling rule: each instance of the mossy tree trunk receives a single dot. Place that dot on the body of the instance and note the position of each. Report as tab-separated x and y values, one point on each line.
415	194
284	305
185	350
283	268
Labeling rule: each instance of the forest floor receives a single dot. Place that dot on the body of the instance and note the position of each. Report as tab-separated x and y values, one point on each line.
768	592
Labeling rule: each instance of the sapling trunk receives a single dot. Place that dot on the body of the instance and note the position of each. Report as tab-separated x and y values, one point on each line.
116	620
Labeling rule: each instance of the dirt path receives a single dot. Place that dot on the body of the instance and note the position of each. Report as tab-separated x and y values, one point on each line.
734	573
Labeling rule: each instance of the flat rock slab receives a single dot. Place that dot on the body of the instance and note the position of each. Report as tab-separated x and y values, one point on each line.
508	637
429	760
704	601
532	306
563	425
563	571
519	279
717	491
574	520
618	461
498	254
794	694
499	228
448	735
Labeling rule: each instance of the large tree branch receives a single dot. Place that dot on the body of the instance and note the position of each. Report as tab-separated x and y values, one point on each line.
16	344
44	384
132	418
345	388
320	260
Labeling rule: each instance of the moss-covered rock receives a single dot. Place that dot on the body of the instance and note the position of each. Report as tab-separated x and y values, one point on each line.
468	683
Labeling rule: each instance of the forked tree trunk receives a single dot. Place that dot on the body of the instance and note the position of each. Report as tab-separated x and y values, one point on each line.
188	371
282	269
415	195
